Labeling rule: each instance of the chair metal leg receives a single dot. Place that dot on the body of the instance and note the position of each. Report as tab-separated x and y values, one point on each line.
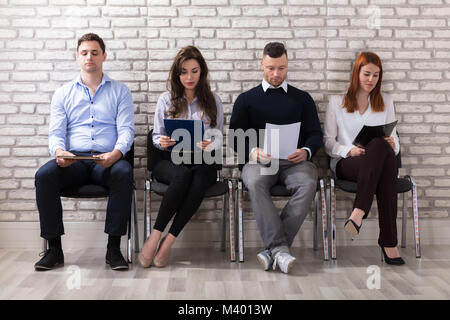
323	202
415	208
147	210
236	215
240	222
316	200
136	226
44	245
130	234
223	226
333	219
404	221
231	221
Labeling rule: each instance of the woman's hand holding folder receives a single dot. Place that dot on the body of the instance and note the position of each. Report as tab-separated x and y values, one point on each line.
356	151
390	140
205	145
166	142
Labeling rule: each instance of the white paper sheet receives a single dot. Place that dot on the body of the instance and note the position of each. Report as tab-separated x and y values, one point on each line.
280	141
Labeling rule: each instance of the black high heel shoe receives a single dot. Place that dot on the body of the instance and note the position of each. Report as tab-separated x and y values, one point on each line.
394	261
351	227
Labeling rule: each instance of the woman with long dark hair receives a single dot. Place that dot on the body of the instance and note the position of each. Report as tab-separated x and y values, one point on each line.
373	167
189	97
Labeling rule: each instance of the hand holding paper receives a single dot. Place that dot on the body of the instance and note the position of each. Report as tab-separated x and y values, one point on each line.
260	156
298	156
280	141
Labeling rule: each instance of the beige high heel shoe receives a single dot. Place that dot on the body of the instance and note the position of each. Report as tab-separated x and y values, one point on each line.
143	261
160	263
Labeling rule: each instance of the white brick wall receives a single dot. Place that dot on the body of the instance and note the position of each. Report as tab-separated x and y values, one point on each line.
37	55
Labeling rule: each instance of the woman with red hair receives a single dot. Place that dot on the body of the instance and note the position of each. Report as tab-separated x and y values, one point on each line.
373	167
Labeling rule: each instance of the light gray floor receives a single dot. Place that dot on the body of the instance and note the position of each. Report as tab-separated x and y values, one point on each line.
207	274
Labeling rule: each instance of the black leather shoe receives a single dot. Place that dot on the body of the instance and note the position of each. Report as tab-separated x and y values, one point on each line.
398	261
51	258
115	259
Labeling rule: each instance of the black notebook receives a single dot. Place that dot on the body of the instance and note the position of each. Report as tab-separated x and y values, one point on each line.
367	133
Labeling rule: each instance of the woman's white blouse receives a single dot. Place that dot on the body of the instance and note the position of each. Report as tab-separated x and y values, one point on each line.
341	127
194	113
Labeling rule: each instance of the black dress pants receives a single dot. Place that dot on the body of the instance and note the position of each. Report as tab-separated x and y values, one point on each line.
187	187
376	174
50	179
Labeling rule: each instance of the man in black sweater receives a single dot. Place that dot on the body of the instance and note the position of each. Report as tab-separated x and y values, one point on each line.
276	102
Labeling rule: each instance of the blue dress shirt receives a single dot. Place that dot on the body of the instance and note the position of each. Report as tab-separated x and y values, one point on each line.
84	123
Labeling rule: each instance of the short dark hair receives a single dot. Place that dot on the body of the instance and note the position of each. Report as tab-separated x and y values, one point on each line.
92	37
274	50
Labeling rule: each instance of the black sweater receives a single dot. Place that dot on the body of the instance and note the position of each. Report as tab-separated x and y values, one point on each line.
254	108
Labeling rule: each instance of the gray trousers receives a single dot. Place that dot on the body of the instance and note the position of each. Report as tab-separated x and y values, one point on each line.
279	230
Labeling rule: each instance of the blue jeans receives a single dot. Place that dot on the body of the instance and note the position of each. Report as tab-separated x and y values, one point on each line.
50	179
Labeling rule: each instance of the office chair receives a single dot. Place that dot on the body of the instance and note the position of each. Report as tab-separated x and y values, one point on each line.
404	185
91	191
222	188
279	190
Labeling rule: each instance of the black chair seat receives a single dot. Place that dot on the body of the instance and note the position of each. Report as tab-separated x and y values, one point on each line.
347	186
403	185
85	191
217	189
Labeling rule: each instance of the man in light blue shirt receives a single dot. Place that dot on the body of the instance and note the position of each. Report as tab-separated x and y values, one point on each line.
90	116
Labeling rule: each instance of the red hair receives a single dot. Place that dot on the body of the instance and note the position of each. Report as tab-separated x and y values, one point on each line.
376	100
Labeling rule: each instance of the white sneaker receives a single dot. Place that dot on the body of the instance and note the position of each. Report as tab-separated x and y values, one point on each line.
284	260
265	259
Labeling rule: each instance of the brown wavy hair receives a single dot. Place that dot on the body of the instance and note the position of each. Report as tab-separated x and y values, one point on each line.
376	99
202	90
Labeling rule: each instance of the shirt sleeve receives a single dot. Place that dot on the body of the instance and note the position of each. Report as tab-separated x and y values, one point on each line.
125	121
239	120
309	152
58	123
332	147
158	121
310	128
390	117
218	130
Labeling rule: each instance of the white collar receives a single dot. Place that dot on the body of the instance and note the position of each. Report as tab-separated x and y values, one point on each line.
266	85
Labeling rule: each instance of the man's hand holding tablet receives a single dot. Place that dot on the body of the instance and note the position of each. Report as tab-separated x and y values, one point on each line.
62	158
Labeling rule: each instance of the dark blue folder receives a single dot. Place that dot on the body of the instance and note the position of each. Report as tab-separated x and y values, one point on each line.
191	128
